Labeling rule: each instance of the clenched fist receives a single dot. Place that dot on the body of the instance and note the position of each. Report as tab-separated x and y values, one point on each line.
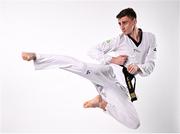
133	69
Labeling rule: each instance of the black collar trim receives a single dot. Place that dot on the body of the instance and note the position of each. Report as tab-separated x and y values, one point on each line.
135	42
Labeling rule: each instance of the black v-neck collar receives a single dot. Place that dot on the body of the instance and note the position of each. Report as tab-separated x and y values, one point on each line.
135	42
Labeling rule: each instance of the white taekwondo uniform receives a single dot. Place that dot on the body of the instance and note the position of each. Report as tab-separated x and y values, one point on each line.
108	78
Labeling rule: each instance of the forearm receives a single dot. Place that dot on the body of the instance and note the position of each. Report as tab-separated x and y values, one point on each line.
146	69
101	51
119	60
100	56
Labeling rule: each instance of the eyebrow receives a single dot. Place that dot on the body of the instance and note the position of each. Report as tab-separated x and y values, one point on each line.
123	22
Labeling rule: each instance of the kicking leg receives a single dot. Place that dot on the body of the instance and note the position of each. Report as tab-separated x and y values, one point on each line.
45	61
92	72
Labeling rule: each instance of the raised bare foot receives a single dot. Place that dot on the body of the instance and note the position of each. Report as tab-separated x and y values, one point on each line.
96	102
28	56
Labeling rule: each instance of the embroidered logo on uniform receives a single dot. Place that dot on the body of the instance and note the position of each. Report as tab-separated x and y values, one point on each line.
154	49
88	72
108	41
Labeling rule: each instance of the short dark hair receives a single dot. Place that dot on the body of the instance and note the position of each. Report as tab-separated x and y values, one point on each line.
127	12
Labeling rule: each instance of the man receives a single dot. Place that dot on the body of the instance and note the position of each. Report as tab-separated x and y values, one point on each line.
133	49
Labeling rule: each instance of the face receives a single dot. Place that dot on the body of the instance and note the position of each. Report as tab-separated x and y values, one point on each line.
127	24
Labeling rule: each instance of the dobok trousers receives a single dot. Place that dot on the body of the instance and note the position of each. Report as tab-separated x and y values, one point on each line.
103	77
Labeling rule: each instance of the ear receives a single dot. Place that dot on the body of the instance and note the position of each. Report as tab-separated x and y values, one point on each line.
135	21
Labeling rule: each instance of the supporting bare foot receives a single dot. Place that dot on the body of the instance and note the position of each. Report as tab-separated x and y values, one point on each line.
28	56
96	102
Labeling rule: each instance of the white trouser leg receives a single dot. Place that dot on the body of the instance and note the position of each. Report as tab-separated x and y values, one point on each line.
119	106
45	61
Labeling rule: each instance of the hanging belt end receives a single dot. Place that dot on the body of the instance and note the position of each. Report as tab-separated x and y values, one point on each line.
133	96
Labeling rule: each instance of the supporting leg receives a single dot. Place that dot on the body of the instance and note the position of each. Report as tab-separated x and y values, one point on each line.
121	108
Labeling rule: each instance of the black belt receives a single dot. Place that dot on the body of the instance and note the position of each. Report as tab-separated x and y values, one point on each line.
128	78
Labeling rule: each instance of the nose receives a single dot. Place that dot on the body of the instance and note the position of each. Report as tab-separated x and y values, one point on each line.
122	27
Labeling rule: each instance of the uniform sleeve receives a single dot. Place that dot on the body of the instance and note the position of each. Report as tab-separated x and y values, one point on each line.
149	64
100	52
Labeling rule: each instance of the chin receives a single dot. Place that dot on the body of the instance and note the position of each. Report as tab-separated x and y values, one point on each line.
125	33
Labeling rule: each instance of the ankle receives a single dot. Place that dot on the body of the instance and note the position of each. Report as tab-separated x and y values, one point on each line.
34	56
102	103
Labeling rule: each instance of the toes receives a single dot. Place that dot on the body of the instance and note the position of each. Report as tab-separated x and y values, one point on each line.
87	105
28	56
25	56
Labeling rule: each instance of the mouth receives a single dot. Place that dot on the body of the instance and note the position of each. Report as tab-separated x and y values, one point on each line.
123	31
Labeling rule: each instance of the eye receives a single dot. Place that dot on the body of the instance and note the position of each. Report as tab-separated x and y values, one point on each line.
119	23
125	22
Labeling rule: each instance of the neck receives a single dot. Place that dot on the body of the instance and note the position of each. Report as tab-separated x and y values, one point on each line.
135	34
